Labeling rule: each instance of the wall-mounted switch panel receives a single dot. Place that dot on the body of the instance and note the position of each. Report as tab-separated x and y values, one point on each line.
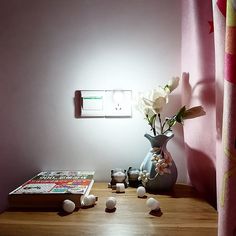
92	103
118	103
103	103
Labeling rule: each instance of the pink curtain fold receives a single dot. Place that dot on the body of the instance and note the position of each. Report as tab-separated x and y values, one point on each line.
227	164
209	57
199	89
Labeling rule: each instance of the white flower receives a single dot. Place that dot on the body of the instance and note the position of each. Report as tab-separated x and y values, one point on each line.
151	104
143	107
172	84
156	99
158	104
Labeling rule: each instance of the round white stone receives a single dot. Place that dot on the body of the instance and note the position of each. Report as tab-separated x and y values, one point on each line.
120	187
68	206
89	200
153	204
141	191
111	203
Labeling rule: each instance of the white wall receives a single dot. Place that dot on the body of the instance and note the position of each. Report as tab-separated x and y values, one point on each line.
49	49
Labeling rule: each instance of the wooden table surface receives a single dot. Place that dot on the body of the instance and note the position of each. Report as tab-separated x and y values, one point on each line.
182	213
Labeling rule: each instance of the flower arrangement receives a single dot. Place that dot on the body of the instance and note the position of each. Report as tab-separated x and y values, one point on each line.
151	105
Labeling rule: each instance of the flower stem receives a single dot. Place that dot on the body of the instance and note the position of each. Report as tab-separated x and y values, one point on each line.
159	117
163	126
152	122
153	127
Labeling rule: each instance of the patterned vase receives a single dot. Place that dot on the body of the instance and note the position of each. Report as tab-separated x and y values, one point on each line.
158	171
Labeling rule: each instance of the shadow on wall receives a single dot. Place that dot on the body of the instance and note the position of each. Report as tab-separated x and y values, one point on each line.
13	170
202	173
201	164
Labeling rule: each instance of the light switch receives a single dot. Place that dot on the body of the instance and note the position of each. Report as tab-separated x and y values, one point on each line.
92	104
105	103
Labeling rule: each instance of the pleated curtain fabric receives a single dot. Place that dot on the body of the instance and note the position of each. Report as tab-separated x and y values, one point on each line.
198	85
209	57
227	164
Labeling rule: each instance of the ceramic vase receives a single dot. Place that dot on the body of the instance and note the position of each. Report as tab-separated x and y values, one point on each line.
157	179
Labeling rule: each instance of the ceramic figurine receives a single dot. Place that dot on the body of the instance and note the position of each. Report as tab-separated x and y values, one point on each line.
133	174
118	176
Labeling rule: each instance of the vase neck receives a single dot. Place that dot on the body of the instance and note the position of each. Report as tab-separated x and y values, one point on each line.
159	140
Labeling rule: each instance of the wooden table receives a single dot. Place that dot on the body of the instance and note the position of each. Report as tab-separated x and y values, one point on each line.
183	213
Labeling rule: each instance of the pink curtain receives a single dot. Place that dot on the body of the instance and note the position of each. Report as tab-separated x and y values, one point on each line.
209	57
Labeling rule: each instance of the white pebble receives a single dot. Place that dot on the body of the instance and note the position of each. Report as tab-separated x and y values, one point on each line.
120	188
89	200
153	204
111	203
141	191
68	206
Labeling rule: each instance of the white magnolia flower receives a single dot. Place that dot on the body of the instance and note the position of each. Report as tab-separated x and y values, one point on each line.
151	104
156	99
172	84
158	104
142	106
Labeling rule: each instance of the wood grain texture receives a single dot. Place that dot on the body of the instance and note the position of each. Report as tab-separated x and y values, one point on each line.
183	213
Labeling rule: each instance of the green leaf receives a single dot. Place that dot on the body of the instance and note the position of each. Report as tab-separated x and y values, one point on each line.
152	119
171	121
180	114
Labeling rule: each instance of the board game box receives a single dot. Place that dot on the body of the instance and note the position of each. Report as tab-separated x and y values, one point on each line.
49	189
